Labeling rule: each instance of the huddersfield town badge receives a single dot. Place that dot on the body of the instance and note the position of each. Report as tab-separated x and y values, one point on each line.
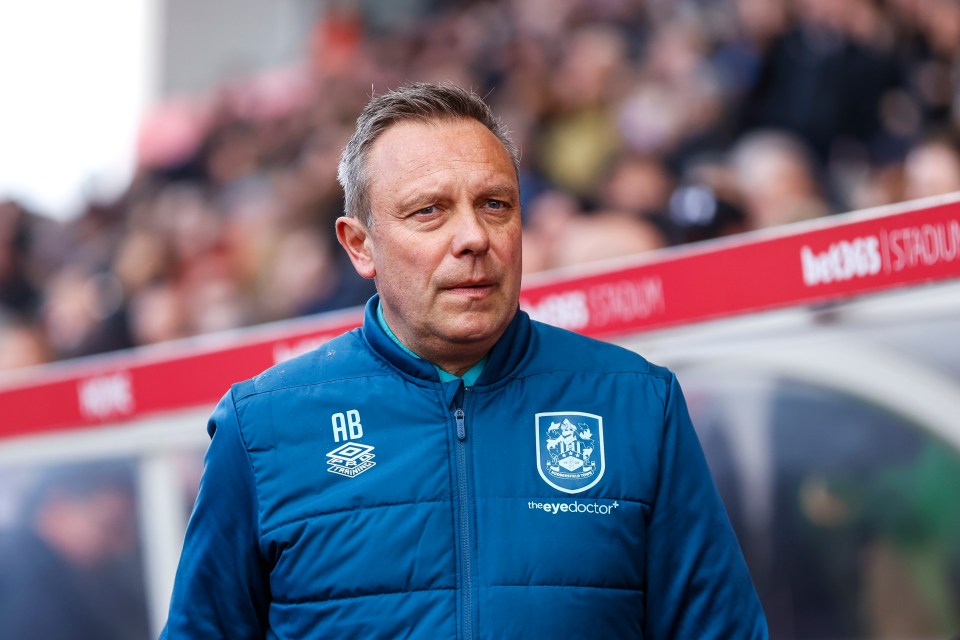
569	449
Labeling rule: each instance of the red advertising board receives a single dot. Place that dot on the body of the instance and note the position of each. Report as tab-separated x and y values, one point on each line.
836	258
830	259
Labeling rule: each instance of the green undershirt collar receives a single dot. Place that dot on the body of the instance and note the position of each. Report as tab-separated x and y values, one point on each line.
469	378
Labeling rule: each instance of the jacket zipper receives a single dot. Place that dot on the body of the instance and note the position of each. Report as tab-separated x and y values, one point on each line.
463	525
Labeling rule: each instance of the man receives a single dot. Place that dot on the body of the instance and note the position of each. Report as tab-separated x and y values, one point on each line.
398	481
66	570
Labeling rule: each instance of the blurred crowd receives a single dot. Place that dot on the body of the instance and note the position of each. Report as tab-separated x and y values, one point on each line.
642	123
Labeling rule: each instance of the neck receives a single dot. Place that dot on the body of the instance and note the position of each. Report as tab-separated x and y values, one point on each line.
457	368
455	359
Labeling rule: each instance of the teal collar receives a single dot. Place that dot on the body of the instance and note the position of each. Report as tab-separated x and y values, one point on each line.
469	378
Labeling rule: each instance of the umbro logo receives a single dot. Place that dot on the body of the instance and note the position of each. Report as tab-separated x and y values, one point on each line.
351	458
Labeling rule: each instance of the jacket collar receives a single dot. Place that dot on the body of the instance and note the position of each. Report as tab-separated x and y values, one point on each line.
505	357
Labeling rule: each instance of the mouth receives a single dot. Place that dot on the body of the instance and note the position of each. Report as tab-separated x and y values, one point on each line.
472	288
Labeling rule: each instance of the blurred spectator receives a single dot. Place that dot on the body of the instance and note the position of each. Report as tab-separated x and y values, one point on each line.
547	216
156	314
931	168
824	77
305	277
22	344
70	570
579	136
702	118
697	212
602	236
213	297
82	312
18	292
637	184
708	201
776	180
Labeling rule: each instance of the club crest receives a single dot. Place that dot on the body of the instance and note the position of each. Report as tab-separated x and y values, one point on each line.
569	449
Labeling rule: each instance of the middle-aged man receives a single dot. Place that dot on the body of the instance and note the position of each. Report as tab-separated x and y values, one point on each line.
453	469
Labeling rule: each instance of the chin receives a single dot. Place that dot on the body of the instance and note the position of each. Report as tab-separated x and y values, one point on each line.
467	330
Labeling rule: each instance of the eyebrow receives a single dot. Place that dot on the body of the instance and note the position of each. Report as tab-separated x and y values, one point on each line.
419	199
502	191
425	197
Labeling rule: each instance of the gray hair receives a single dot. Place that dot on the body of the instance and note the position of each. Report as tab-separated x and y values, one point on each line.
418	102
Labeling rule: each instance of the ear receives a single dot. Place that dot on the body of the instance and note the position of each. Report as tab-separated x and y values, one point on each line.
355	239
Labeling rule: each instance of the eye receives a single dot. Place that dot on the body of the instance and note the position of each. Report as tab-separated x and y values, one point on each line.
496	204
427	211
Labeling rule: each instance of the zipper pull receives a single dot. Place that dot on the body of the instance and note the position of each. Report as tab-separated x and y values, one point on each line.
461	427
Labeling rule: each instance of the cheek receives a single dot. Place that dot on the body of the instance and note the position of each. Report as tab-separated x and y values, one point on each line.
406	268
421	259
518	250
510	246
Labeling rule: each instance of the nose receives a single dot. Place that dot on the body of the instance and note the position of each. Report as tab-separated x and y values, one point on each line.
471	235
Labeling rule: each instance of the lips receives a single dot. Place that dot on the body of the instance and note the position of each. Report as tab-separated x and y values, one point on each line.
471	288
472	284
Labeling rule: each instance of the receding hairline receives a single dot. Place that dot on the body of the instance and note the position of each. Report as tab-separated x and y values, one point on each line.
424	103
434	122
499	189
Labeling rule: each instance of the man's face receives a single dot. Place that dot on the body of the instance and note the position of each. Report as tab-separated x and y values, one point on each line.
444	246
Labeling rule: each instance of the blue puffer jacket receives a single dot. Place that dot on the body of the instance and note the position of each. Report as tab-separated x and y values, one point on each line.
349	493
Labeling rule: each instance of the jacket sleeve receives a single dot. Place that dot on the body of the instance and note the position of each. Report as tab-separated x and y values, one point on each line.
222	584
698	585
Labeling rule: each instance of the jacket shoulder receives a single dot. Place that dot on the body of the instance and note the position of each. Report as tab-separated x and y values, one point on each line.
345	356
565	349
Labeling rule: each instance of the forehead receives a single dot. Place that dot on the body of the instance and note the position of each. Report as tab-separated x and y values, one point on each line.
409	150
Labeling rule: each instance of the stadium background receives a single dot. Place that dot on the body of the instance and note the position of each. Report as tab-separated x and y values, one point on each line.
646	126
